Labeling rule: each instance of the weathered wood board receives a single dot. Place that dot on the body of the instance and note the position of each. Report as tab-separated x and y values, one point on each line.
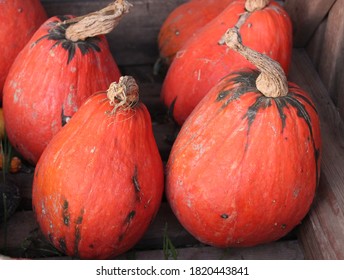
322	233
306	16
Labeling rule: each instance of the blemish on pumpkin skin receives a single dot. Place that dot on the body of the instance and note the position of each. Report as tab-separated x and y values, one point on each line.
16	95
51	52
65	213
62	244
136	182
73	69
129	217
224	216
180	54
283	226
296	192
121	237
77	234
147	203
77	239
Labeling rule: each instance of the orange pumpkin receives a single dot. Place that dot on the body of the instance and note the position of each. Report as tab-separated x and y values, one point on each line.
99	183
245	165
19	20
183	22
49	80
202	61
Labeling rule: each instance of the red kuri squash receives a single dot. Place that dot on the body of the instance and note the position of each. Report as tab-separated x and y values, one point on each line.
19	20
54	74
202	61
245	165
99	182
183	22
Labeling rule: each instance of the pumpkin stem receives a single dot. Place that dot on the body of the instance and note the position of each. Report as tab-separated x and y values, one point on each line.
254	5
96	23
272	81
250	6
124	94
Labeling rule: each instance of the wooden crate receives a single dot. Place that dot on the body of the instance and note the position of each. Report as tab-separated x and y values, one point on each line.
316	66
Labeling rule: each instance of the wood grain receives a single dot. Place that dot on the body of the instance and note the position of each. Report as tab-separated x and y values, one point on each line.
322	232
331	65
306	16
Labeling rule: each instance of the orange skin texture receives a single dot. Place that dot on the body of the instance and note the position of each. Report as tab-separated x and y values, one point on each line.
92	164
41	85
230	185
202	62
183	22
19	20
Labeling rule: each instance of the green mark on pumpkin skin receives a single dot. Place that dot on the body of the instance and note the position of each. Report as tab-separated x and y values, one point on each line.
130	216
136	185
224	216
62	245
64	119
65	213
77	234
58	33
126	223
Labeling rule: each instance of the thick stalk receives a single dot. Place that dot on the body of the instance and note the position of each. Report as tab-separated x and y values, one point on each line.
124	94
250	7
272	81
97	23
254	5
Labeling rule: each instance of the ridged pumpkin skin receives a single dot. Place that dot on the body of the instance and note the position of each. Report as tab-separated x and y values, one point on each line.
19	20
183	22
202	62
244	167
99	183
48	82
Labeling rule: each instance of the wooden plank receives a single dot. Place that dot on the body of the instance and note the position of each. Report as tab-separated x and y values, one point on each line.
134	40
315	45
281	250
306	16
322	234
320	231
331	67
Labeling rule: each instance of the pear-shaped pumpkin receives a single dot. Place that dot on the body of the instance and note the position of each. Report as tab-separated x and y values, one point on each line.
245	165
66	61
98	184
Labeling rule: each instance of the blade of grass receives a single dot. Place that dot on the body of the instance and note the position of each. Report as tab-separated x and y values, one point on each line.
168	247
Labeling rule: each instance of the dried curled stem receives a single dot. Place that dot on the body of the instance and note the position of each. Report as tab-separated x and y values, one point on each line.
272	81
250	6
254	5
97	23
123	95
